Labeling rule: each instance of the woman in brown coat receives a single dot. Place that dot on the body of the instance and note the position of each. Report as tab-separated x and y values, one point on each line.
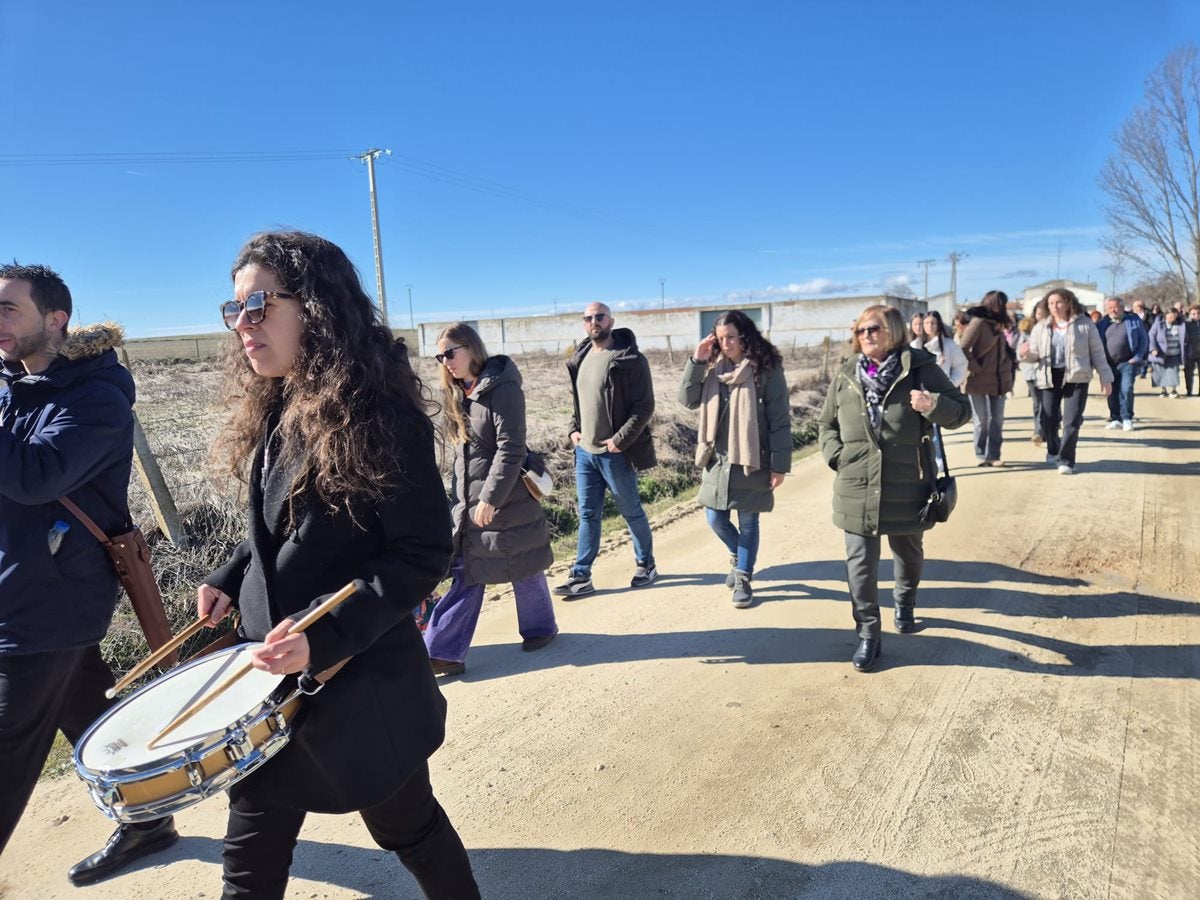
990	363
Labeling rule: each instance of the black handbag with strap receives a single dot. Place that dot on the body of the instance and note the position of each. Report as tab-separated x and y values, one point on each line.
943	489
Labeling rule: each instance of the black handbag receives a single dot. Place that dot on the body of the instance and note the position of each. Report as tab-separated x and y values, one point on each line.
943	489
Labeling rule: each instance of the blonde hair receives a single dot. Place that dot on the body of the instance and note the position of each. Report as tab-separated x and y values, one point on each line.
454	416
895	329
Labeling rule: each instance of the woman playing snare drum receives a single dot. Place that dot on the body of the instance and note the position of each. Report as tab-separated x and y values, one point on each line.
329	430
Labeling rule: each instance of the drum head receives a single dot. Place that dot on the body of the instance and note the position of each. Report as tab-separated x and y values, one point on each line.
117	741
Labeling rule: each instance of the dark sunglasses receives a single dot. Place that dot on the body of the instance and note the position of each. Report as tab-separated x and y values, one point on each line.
255	306
599	317
448	353
869	330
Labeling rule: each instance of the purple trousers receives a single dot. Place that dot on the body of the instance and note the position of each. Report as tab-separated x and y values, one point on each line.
455	616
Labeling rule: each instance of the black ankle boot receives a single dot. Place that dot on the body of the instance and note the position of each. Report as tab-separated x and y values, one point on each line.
904	619
867	654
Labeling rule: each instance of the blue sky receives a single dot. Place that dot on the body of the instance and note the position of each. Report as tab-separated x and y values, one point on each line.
567	152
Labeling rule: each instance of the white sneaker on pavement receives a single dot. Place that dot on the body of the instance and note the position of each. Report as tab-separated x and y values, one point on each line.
1064	469
1112	426
1127	425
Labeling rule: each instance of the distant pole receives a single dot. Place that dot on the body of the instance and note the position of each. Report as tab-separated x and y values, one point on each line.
954	258
369	158
555	302
412	322
926	263
662	287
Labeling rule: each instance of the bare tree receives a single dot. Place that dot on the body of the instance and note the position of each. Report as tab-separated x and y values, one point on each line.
1153	177
1118	252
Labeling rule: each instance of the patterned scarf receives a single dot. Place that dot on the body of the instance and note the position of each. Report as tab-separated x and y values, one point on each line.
875	379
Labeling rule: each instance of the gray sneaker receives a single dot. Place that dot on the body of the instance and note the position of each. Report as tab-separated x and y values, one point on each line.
575	586
644	575
743	594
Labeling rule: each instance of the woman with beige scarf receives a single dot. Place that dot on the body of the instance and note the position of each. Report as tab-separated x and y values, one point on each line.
744	445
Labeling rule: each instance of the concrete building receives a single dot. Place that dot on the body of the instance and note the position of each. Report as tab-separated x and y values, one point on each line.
791	323
1088	292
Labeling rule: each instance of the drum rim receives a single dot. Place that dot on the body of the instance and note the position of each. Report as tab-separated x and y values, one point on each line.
168	762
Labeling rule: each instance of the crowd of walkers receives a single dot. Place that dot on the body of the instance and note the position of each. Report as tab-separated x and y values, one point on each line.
332	432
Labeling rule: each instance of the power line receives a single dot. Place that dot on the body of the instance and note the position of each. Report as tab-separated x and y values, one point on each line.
12	160
926	263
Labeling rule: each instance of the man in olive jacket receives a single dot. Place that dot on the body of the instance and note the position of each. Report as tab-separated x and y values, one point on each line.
613	399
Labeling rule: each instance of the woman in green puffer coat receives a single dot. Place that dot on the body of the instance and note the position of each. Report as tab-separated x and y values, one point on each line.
875	418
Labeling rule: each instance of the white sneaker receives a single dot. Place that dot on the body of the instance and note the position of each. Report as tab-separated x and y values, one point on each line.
1112	426
1064	469
1127	425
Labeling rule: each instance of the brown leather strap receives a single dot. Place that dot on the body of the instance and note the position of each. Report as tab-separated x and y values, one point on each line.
326	674
85	519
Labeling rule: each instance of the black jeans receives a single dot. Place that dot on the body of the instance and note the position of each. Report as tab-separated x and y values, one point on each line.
39	694
261	837
1062	404
862	575
1035	395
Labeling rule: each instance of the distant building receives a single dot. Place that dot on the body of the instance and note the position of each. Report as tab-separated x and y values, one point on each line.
789	323
1089	293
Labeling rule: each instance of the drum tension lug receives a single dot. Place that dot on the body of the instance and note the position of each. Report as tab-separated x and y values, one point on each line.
195	773
240	746
277	721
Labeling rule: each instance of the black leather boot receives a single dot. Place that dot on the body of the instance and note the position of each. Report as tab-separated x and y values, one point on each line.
128	842
867	654
904	619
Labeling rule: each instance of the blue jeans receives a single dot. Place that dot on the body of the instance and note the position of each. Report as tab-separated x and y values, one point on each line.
1120	401
594	472
742	541
987	415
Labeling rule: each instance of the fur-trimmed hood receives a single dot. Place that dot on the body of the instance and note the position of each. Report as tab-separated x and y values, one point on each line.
92	340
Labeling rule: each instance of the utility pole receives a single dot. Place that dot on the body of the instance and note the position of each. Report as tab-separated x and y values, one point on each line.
954	258
662	288
369	158
412	322
926	263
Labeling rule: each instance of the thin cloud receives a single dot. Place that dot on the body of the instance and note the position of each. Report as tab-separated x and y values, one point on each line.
1021	273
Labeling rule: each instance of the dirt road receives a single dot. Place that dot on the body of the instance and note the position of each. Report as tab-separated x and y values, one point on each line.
1037	737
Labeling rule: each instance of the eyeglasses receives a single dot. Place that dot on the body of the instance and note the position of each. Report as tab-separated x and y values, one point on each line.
869	330
255	306
448	353
599	317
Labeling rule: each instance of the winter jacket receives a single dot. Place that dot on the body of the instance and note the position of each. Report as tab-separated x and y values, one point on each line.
951	358
488	468
1084	353
989	365
65	430
729	487
882	483
380	718
628	397
1135	331
1158	341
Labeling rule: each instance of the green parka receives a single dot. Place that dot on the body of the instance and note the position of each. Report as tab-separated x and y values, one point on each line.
729	487
882	484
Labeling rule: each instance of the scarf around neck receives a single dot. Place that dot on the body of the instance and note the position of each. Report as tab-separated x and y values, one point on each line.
743	446
875	379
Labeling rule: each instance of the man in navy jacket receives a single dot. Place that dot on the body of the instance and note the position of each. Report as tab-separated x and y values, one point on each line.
1126	345
66	428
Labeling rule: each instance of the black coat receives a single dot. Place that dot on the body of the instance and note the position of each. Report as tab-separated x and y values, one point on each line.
381	717
516	544
628	397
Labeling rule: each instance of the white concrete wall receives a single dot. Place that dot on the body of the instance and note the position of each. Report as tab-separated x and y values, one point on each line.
799	323
1088	294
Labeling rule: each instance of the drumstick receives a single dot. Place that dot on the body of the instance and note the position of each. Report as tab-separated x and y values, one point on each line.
212	695
141	668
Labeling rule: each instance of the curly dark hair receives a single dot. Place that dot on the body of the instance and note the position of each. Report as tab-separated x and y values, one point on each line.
761	352
351	402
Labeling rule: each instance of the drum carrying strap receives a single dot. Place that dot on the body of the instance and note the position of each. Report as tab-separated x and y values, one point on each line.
310	684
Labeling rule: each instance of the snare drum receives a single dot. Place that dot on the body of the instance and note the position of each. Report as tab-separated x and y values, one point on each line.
219	746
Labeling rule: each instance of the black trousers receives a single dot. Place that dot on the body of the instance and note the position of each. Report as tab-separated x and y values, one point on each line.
1062	404
1192	365
411	823
1035	395
41	693
862	575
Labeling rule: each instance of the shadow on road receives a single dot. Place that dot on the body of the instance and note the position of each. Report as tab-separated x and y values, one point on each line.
535	873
